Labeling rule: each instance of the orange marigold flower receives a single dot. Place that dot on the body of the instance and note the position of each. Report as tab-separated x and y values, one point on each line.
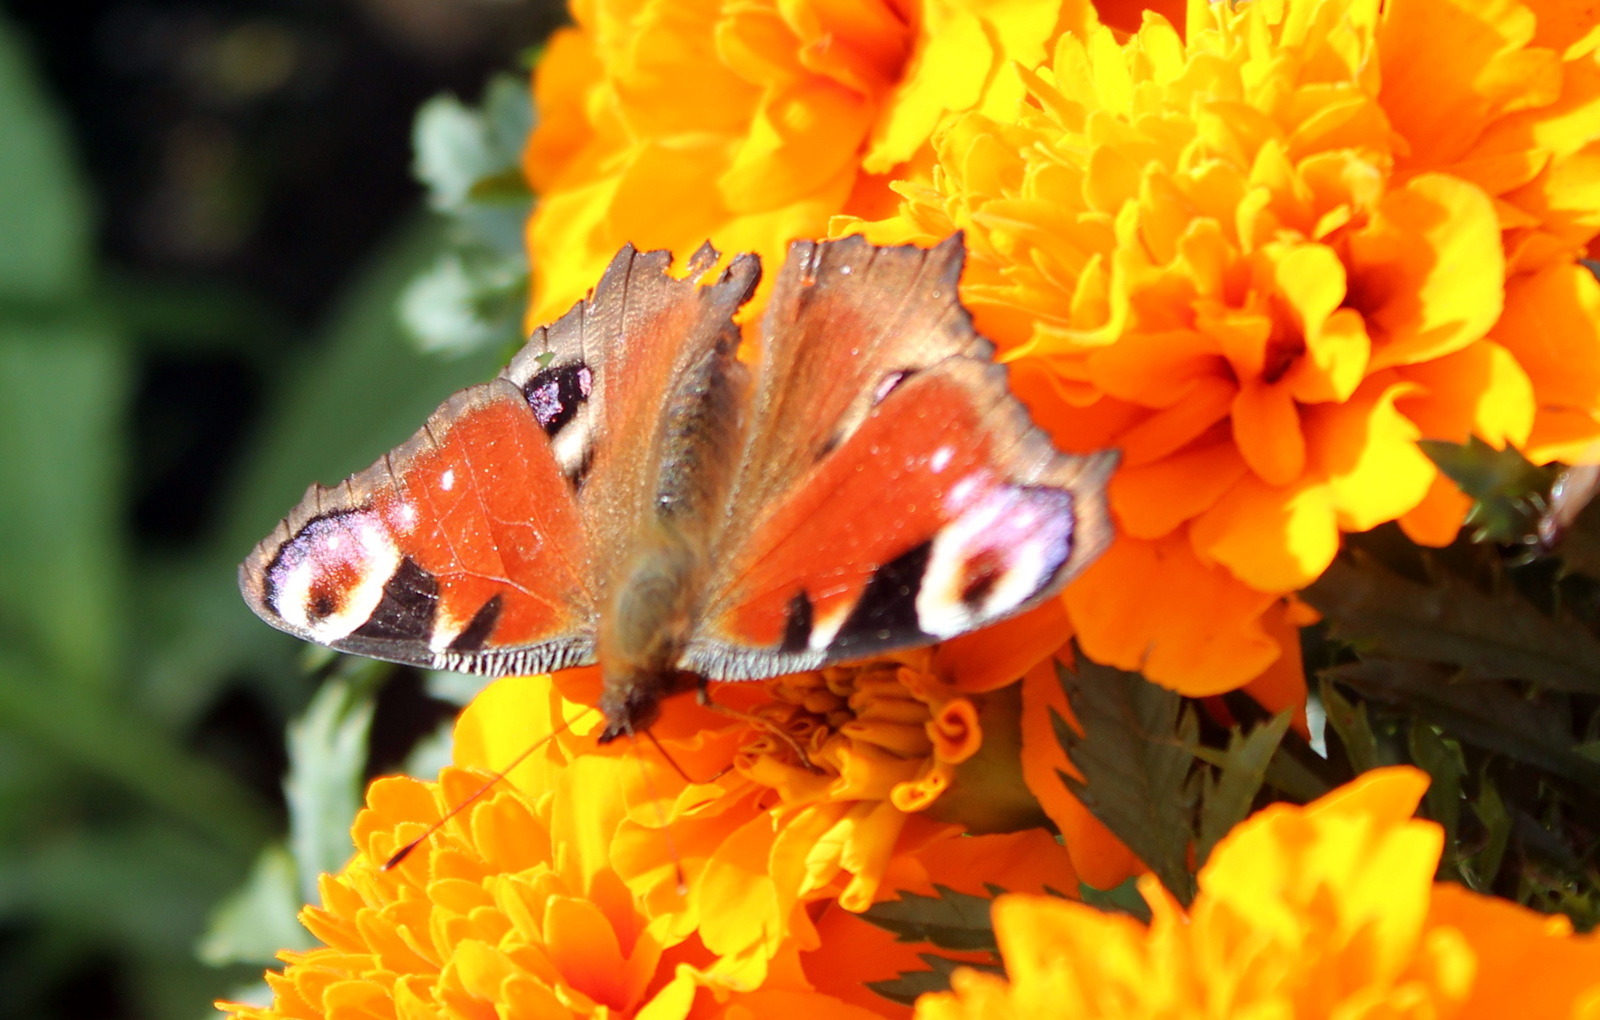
557	892
668	122
894	768
1264	262
1325	910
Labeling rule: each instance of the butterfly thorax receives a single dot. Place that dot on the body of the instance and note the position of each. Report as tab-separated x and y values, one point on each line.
642	638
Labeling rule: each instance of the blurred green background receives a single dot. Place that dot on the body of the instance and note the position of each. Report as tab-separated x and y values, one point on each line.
208	216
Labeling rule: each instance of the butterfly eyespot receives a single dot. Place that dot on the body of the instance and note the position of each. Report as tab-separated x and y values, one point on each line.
329	578
983	572
557	393
323	604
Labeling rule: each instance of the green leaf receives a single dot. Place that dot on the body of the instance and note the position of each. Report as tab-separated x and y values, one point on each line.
458	147
1135	755
950	920
1229	793
1481	868
1441	759
259	918
913	983
466	302
1123	899
1506	489
1489	636
44	214
1349	721
63	391
327	766
98	733
470	161
1533	730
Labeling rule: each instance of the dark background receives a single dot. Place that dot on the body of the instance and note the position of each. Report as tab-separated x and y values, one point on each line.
208	212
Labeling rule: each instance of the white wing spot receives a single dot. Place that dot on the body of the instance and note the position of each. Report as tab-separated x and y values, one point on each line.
447	481
940	459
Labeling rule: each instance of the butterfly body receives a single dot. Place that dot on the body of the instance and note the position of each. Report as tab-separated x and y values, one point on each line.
629	492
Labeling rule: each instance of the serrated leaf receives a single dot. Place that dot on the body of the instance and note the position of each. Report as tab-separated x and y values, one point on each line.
1506	489
260	917
1230	791
1350	723
1135	755
457	147
1488	636
1123	899
1481	868
1535	731
327	764
1441	759
950	920
459	305
912	983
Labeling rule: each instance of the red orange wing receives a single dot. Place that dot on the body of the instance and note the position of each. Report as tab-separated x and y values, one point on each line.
487	542
891	492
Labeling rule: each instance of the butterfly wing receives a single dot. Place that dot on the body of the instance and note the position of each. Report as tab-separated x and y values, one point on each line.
487	543
892	491
460	549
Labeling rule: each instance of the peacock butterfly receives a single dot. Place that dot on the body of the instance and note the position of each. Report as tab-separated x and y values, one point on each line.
629	492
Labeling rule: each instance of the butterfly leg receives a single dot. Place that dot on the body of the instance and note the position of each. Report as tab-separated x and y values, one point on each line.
760	722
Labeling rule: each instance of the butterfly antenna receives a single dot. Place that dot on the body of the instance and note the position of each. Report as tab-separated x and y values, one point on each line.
460	806
661	814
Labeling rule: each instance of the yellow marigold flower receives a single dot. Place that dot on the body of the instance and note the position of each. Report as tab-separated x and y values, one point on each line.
1326	910
894	749
557	892
668	122
1263	262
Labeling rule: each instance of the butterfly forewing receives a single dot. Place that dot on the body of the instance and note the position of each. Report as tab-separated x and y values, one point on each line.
461	549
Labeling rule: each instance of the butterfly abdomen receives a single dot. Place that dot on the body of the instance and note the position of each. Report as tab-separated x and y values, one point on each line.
663	577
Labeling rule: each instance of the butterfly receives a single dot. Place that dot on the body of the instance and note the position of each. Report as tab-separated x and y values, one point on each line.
628	491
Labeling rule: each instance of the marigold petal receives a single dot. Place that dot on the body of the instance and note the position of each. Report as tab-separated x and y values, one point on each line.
1417	271
1156	608
1551	326
1151	500
1266	428
998	655
1272	539
1480	391
946	72
1440	106
798	140
1366	450
1437	519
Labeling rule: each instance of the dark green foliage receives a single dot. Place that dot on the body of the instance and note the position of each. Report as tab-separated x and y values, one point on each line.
1136	758
1479	663
949	920
141	705
474	294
